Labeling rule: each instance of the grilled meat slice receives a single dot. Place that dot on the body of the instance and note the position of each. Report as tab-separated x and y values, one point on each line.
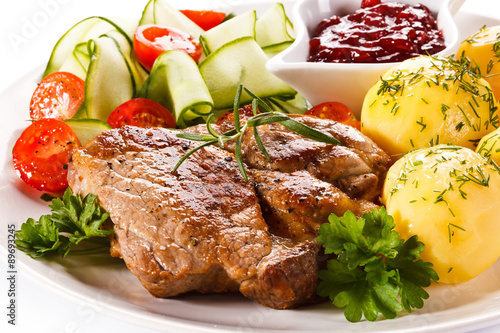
199	229
307	180
357	167
288	277
295	204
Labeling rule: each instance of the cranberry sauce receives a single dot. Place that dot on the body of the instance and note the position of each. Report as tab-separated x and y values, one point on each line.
377	32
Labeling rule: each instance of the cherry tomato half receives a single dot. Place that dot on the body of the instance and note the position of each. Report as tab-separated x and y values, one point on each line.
59	95
151	40
227	118
205	19
335	111
42	152
141	112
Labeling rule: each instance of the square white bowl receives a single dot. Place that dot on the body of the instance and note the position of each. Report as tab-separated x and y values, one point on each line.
340	82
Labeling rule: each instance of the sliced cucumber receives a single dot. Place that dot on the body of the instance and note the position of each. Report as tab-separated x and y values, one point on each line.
87	129
73	66
241	61
274	27
148	14
110	81
176	83
81	53
78	62
239	26
84	30
274	49
162	12
138	72
297	105
127	25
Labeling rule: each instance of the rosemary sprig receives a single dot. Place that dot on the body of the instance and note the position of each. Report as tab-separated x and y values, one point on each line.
258	119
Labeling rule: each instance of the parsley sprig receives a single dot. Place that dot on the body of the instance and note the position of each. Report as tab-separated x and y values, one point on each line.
258	119
374	271
71	221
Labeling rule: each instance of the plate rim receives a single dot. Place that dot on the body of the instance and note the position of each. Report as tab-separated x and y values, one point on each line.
479	320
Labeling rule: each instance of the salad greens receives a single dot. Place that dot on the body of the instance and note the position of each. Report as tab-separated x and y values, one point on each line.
373	267
71	221
101	52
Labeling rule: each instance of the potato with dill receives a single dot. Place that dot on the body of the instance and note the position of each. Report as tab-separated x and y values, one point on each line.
447	196
489	147
483	50
427	101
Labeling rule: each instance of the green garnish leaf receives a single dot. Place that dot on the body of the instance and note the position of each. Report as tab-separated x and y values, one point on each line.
37	238
309	132
373	267
236	108
189	153
71	221
259	119
195	136
414	273
259	101
256	134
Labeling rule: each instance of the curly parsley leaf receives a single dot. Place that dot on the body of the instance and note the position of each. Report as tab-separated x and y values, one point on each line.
71	221
414	273
373	267
37	238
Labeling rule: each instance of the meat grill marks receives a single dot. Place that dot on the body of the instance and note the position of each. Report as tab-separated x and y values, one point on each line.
282	276
200	229
174	230
357	167
306	180
295	204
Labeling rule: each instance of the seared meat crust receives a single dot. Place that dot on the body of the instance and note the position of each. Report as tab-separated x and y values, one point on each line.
357	166
204	229
295	204
199	229
279	281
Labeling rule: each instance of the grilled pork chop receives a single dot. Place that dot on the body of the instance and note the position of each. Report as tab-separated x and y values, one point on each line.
202	228
295	204
357	167
199	229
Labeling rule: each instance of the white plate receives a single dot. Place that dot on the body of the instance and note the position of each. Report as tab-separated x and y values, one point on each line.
105	283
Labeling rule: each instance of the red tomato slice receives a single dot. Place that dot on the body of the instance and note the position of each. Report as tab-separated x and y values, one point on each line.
205	19
151	40
335	111
59	95
227	118
42	152
141	112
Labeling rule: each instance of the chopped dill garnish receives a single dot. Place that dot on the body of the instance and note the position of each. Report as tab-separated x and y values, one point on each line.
451	232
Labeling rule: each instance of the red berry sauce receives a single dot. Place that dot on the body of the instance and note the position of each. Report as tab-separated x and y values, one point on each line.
377	32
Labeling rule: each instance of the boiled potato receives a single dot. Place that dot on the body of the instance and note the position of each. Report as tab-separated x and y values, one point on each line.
427	101
448	196
482	49
489	147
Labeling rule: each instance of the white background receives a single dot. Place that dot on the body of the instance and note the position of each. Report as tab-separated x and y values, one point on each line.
28	31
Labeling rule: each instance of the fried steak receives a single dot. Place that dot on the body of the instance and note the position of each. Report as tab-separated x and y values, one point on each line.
204	229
